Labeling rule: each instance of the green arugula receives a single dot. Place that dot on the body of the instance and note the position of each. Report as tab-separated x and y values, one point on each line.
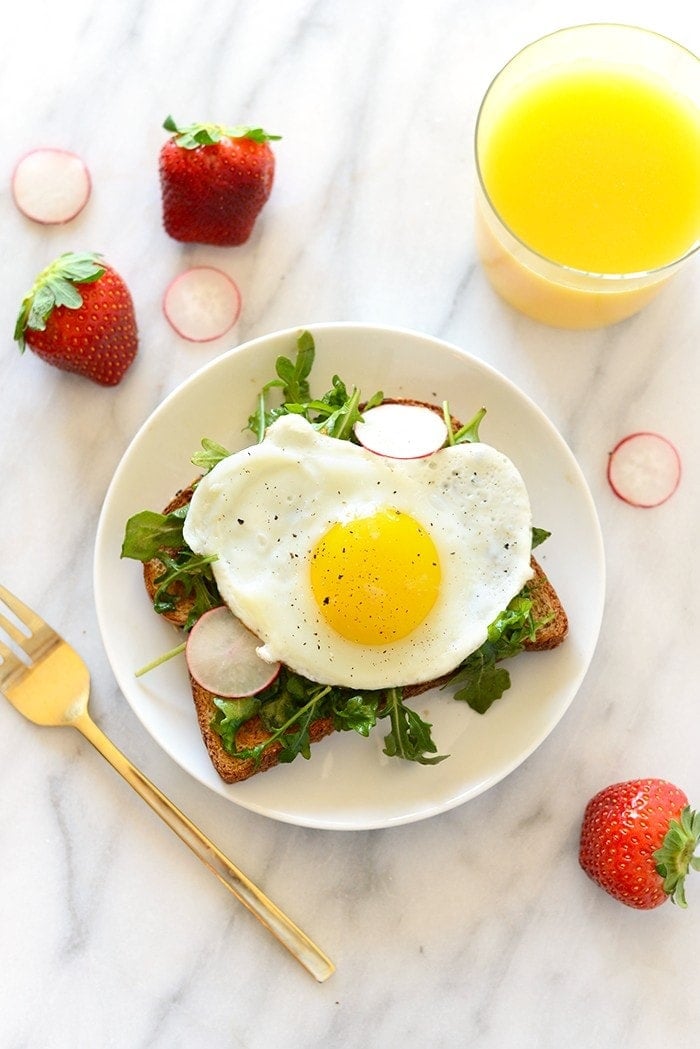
288	707
410	736
334	414
148	532
538	536
482	680
292	703
357	713
150	535
467	434
231	714
211	454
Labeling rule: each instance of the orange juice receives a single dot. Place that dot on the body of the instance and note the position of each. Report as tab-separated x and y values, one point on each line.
590	188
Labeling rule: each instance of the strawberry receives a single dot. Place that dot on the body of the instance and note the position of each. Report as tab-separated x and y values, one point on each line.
214	181
638	841
79	316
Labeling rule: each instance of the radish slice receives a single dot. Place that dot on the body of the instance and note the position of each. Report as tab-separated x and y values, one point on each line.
222	656
644	469
51	186
401	431
202	304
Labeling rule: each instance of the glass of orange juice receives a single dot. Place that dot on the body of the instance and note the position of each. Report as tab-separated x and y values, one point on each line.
588	162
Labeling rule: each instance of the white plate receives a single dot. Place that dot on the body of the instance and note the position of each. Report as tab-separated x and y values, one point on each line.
348	783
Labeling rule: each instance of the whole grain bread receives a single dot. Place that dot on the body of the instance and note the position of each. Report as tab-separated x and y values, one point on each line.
547	607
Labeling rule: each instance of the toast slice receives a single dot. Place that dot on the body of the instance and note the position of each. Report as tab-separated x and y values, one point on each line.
546	606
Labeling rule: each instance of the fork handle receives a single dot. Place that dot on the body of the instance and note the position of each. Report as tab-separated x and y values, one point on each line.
290	935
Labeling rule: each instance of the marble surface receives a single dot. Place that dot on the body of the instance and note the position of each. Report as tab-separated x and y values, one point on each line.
476	927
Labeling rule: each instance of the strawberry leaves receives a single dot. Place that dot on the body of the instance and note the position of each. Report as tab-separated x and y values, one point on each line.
193	135
676	857
56	286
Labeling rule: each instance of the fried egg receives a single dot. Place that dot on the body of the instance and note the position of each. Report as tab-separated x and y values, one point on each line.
356	569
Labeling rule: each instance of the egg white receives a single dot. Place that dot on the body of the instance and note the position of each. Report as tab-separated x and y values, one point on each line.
262	510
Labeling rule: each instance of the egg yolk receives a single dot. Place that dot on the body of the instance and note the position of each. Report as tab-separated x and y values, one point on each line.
375	579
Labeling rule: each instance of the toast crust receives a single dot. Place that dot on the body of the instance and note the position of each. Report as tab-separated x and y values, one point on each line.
546	606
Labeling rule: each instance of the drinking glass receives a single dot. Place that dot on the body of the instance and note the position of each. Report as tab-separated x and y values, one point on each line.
558	291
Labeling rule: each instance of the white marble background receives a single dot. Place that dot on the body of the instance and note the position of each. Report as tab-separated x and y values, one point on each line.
473	928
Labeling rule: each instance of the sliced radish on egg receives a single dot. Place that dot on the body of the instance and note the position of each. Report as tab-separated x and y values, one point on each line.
222	656
401	431
644	469
202	304
51	186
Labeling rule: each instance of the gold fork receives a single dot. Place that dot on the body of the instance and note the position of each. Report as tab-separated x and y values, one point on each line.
48	682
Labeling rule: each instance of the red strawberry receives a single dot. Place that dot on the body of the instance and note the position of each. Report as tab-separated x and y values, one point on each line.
79	317
638	841
214	181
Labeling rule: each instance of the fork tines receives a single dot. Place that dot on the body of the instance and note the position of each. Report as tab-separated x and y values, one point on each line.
18	635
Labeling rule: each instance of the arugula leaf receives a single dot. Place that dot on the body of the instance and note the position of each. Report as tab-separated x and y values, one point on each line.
295	375
150	535
211	454
334	414
288	707
281	707
292	706
296	739
293	735
410	736
482	681
358	713
539	535
292	378
148	532
467	434
187	576
232	714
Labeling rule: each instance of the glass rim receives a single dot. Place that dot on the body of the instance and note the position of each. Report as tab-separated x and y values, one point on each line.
574	271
